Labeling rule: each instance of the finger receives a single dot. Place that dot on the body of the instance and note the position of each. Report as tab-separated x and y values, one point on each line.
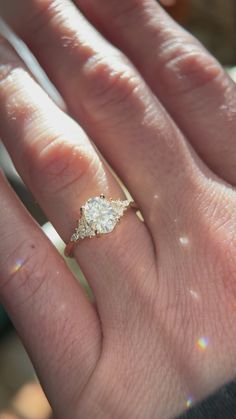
51	313
188	80
61	167
105	92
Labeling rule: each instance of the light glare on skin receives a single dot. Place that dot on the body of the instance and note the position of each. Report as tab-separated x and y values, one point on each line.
90	40
194	294
202	343
154	208
189	402
62	308
102	179
17	266
184	241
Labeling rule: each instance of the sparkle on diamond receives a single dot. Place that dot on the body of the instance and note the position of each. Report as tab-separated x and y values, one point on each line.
100	215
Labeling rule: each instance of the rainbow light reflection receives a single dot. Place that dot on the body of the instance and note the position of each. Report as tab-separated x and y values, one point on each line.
18	265
189	402
202	343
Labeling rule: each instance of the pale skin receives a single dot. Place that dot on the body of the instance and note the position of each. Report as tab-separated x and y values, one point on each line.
162	334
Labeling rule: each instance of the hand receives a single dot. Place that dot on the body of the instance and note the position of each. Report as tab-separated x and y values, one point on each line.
162	333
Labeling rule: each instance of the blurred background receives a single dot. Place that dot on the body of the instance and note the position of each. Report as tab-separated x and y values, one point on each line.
214	23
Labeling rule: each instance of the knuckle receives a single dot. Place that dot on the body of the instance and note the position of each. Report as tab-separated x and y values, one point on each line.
37	21
120	10
27	273
184	66
215	221
61	165
36	25
109	82
17	108
15	83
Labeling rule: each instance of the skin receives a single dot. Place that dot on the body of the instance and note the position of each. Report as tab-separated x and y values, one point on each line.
162	333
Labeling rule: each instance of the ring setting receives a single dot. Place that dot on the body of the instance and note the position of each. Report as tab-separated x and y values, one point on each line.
98	216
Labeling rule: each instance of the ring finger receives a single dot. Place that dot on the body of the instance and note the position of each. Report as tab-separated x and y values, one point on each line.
57	161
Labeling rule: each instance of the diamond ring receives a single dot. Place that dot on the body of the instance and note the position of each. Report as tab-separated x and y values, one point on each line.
98	216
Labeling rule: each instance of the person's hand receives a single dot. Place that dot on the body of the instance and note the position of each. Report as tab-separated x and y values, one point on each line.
162	334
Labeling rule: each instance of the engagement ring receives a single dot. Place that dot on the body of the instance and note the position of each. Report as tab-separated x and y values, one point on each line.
98	216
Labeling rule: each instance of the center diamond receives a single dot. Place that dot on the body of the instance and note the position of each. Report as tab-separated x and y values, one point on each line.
100	215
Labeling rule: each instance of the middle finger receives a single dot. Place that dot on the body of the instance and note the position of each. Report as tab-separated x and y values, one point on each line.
109	98
187	79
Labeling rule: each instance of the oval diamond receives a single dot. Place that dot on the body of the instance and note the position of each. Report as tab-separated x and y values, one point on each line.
100	215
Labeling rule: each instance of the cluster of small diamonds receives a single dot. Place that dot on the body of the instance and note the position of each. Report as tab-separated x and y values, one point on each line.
120	206
82	230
